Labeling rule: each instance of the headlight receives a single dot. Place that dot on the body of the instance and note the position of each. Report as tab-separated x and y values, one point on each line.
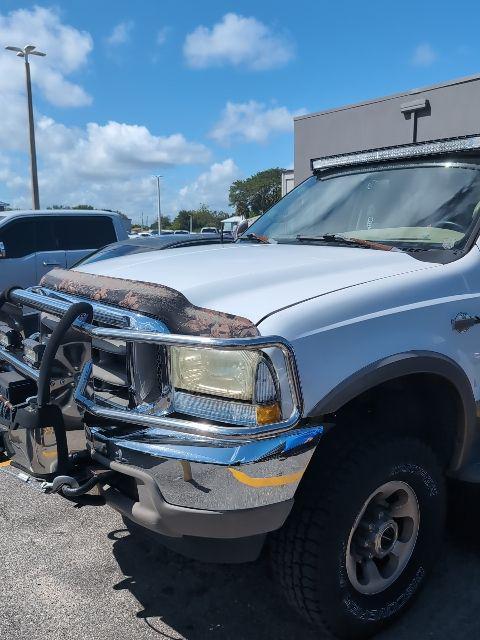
232	386
229	374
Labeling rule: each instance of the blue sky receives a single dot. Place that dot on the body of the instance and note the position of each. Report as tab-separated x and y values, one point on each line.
202	92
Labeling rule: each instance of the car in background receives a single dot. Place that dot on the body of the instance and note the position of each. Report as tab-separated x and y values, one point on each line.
34	242
208	230
154	243
180	232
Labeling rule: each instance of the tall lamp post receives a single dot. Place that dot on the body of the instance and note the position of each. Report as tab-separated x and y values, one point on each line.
30	50
159	206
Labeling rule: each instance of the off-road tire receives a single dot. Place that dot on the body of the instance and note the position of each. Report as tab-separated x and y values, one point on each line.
309	553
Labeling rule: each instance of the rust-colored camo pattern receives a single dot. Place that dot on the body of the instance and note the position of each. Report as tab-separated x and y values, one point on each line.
166	304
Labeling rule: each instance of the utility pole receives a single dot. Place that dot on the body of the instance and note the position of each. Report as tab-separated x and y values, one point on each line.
30	50
159	209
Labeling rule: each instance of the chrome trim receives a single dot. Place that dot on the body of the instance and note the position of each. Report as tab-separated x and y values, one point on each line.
137	328
437	147
117	443
170	423
59	303
19	365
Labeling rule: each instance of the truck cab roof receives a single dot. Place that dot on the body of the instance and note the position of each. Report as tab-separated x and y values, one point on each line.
56	212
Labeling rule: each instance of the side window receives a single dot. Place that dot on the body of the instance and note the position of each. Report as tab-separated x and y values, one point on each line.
19	237
85	232
47	234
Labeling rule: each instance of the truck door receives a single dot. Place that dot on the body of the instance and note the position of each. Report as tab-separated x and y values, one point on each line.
80	235
50	254
17	255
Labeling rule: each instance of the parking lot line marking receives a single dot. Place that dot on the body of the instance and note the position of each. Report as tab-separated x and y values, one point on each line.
5	464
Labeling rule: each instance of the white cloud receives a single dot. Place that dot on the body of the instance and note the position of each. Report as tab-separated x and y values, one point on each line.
117	149
211	187
67	51
162	35
237	40
424	55
105	164
121	33
252	122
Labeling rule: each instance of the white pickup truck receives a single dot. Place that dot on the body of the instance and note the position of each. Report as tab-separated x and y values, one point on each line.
314	383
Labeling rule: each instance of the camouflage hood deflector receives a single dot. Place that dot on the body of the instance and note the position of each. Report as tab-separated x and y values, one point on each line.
166	304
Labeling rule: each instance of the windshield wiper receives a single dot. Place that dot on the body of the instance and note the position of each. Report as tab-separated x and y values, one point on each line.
252	237
356	242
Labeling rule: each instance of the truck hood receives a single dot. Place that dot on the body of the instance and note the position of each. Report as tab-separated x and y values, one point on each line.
255	280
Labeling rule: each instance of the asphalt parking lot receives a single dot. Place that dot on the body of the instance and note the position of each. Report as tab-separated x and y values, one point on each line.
73	573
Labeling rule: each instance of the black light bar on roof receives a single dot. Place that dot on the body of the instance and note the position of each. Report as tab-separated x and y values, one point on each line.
397	153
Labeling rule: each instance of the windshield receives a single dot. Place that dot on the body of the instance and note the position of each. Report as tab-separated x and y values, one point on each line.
408	206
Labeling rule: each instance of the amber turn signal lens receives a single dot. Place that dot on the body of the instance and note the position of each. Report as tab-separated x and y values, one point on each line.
269	413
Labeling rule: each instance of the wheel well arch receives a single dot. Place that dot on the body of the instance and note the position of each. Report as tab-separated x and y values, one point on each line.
423	393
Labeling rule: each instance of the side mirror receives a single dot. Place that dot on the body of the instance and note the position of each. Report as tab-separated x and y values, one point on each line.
3	253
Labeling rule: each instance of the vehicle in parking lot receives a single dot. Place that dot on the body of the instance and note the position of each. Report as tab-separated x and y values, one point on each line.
33	242
208	230
179	232
314	383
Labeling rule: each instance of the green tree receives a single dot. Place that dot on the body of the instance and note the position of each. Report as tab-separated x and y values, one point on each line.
182	220
256	194
201	217
166	224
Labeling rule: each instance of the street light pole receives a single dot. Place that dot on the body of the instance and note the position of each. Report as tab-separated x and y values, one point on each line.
159	209
24	53
33	150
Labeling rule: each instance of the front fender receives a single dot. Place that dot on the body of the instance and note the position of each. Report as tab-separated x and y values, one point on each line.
404	364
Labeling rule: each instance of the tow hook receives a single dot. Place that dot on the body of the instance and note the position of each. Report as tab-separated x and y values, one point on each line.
69	486
58	483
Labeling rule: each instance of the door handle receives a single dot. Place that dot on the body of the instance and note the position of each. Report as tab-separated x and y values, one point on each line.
50	264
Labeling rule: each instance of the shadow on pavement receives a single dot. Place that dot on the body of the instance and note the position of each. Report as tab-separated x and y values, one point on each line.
199	601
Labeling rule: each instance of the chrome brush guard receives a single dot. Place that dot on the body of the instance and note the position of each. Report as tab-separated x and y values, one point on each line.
124	327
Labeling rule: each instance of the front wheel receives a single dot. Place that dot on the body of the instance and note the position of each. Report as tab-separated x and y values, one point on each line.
365	530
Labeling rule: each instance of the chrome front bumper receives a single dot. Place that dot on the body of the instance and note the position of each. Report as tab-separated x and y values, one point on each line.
211	474
215	490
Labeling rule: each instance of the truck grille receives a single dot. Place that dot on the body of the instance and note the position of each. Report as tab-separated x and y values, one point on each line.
130	375
124	375
110	380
